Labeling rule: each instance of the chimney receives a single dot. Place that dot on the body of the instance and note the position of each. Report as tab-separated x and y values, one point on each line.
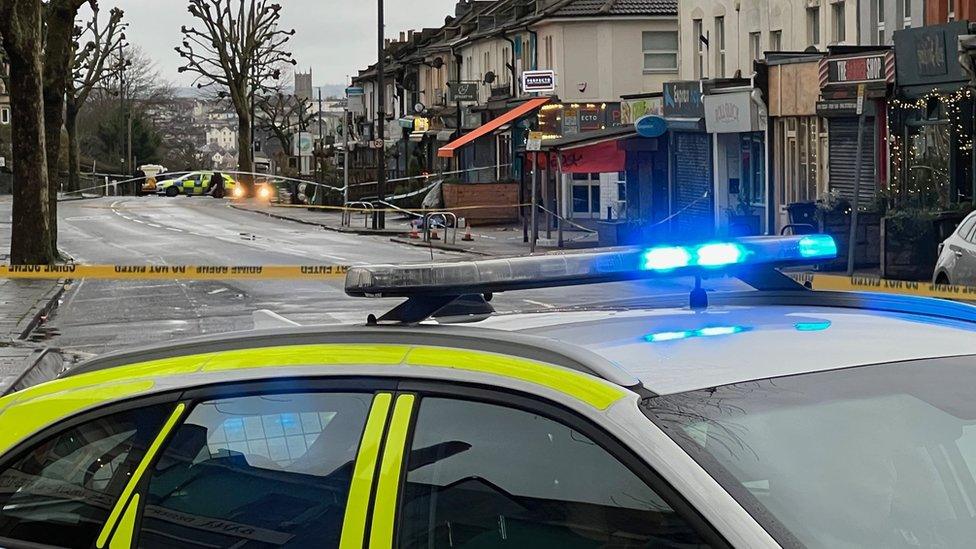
462	8
410	34
403	36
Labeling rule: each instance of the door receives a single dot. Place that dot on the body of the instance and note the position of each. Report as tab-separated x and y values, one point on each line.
843	158
962	245
487	470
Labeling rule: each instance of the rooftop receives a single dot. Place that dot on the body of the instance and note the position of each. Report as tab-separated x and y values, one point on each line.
591	8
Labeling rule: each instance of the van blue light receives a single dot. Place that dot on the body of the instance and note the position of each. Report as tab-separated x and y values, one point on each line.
711	331
817	246
812	326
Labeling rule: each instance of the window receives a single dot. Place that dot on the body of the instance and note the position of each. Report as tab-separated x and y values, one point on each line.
755	47
482	475
720	47
967	227
951	13
270	470
549	53
907	13
776	40
880	7
840	22
485	64
699	47
813	25
505	76
660	50
61	491
4	115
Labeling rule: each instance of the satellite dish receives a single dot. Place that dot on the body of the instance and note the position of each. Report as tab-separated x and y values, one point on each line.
489	77
419	108
437	63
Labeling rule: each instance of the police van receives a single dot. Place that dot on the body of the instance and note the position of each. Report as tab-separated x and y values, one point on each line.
771	416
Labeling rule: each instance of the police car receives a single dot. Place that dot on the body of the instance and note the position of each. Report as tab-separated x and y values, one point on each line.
775	416
193	183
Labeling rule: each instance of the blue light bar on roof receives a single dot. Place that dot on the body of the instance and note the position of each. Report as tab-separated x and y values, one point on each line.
566	269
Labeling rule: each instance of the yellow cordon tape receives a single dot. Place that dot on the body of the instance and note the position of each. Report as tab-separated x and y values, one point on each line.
841	283
175	272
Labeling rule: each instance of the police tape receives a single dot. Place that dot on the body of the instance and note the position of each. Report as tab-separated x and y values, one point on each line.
826	282
174	272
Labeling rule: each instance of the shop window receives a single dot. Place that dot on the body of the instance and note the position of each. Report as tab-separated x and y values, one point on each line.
660	50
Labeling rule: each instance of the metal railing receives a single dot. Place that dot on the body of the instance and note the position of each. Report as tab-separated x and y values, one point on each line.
349	208
449	228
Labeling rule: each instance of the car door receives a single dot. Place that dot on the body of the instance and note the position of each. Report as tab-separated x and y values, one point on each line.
964	248
282	464
465	468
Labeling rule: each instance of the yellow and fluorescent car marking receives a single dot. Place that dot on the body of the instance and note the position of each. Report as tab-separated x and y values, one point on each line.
26	412
591	390
123	534
381	536
354	523
130	487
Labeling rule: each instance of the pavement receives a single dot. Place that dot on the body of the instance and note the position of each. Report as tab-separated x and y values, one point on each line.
24	306
498	240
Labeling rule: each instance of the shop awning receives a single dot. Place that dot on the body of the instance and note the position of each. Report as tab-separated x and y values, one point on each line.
447	151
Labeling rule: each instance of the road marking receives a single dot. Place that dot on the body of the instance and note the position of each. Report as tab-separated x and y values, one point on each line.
540	304
173	229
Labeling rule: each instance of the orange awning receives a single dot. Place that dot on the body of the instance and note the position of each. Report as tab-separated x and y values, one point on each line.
447	151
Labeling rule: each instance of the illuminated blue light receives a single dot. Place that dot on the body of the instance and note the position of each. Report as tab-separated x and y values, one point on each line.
817	246
666	258
711	331
718	255
669	336
812	326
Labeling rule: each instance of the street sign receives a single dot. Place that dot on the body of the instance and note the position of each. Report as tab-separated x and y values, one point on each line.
376	144
538	81
651	125
534	143
354	91
303	144
463	91
861	89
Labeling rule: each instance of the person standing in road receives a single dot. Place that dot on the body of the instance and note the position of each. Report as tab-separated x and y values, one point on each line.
217	185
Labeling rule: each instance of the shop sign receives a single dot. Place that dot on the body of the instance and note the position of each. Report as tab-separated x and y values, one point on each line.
651	125
731	113
856	69
534	142
538	81
927	55
683	100
421	124
633	110
843	107
463	91
589	119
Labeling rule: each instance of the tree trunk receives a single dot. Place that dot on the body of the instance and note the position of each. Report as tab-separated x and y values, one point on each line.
71	125
245	152
31	238
60	24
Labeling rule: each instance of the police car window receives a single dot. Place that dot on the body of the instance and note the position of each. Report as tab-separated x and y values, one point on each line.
257	471
481	475
61	491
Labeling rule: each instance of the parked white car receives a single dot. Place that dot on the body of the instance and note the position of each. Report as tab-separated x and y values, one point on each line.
957	255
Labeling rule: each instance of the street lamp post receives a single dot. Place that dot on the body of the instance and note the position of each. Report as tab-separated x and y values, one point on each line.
379	221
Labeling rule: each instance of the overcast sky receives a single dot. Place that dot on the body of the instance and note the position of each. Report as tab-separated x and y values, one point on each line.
334	38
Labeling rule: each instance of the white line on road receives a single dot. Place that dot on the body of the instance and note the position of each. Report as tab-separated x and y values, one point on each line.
173	229
539	303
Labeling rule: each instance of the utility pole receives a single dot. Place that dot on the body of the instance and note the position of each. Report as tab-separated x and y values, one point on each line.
121	106
379	221
345	152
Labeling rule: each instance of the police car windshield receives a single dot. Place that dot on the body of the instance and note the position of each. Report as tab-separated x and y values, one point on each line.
876	456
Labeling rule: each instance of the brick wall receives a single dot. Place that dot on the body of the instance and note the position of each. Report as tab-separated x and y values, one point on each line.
937	11
501	200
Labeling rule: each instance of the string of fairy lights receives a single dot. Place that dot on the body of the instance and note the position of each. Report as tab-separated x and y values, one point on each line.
927	183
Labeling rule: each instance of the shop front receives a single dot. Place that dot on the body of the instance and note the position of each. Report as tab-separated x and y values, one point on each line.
736	118
841	76
931	121
692	197
798	138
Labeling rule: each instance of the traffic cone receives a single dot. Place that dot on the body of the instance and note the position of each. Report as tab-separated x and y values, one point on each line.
433	234
414	233
467	235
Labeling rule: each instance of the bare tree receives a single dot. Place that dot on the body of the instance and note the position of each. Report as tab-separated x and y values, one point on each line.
59	25
20	31
282	115
239	47
91	66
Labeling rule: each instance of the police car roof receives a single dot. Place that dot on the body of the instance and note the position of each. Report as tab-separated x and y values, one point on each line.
673	350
